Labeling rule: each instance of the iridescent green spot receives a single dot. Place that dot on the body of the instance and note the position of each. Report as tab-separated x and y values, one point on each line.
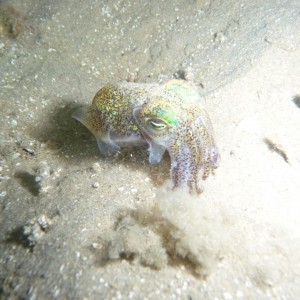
133	127
182	91
165	115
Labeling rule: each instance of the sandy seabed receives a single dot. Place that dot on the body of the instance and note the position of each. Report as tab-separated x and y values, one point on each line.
76	225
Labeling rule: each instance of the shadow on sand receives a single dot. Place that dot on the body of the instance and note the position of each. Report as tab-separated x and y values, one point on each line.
72	144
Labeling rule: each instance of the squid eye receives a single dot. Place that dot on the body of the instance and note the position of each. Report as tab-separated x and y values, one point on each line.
157	124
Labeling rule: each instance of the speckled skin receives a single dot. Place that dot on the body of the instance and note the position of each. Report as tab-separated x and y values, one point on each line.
168	117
